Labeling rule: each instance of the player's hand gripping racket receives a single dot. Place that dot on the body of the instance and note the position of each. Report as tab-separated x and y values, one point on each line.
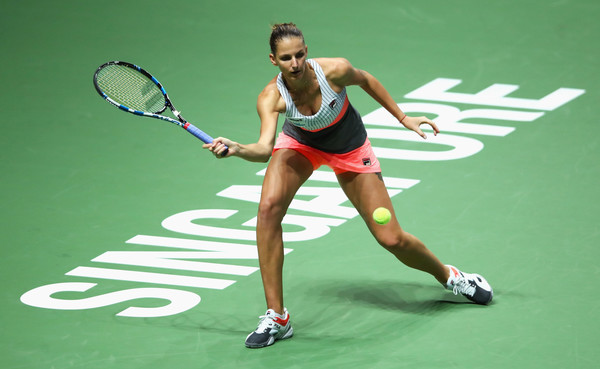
134	90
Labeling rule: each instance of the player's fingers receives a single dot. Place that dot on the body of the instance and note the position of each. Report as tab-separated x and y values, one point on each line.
436	130
219	149
217	142
425	120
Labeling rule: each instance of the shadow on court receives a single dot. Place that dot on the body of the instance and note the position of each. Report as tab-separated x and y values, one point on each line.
412	298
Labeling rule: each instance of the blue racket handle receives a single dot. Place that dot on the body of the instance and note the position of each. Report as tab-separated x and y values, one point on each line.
201	135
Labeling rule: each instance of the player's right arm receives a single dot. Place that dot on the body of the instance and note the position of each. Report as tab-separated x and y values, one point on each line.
268	106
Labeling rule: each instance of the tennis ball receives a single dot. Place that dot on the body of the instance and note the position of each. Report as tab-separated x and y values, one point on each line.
382	215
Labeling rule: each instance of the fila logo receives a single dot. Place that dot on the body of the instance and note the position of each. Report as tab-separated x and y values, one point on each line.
332	103
367	162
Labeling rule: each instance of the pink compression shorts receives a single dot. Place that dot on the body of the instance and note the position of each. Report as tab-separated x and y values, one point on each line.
360	160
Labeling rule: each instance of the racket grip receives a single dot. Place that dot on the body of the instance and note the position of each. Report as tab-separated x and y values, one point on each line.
201	135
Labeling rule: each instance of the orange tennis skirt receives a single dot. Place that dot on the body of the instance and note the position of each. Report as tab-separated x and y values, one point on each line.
360	160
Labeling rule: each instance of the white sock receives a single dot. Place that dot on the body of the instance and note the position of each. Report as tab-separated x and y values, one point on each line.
454	276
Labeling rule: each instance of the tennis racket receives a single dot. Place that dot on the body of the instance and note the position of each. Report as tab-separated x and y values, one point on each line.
134	90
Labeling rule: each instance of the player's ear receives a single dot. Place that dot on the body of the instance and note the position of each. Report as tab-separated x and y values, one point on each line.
272	58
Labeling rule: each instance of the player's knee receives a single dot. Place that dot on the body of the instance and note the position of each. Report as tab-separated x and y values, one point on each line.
270	209
394	242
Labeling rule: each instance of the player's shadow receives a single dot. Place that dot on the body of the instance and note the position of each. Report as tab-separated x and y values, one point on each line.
413	298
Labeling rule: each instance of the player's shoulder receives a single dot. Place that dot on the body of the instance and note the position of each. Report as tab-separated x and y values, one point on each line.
334	67
270	97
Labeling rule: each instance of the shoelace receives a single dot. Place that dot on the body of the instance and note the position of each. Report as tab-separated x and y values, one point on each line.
265	322
463	287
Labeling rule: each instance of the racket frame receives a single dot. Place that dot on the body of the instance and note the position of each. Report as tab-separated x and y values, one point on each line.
180	121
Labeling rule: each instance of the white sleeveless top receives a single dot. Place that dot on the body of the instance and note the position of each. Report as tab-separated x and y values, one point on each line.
333	105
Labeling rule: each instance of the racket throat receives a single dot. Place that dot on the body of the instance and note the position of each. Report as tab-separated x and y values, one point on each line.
181	119
177	113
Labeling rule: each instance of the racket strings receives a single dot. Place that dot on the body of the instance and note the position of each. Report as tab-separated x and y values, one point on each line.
130	88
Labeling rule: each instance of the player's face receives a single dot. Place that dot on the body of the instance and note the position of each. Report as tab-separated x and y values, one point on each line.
290	57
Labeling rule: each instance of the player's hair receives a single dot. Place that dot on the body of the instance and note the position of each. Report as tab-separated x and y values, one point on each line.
280	31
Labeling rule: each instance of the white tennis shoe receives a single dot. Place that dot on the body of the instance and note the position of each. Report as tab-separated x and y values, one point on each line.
472	286
272	327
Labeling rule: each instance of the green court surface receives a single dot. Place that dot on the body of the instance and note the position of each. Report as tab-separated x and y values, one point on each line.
510	192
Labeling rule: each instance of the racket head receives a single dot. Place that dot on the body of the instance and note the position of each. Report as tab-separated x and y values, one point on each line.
130	87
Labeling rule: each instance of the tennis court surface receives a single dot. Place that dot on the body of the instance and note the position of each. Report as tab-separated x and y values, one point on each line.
125	245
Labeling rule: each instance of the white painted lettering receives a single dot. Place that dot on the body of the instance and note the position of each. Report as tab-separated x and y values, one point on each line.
148	277
329	177
215	250
329	204
495	95
326	200
179	301
313	227
165	259
449	119
463	147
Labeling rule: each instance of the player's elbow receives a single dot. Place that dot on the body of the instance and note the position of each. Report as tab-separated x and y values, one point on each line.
264	158
265	151
364	79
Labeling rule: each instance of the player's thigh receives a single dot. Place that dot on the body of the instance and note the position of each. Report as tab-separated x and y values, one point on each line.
367	192
286	172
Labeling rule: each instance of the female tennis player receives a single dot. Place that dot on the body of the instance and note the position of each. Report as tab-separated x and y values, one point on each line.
323	128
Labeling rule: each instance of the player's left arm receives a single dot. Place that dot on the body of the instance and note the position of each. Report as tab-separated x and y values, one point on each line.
344	74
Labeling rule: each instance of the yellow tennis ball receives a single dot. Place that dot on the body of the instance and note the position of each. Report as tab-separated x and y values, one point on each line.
382	215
